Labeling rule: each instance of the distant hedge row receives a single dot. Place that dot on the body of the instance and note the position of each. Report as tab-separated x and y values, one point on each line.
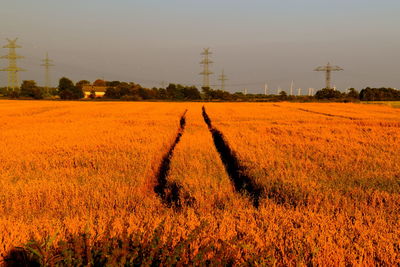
176	92
379	94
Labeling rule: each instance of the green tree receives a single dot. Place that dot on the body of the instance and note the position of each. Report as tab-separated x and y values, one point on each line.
154	93
67	89
3	91
124	89
283	95
99	83
328	94
113	83
30	89
379	94
112	92
162	93
191	93
82	83
206	92
77	92
353	93
144	93
175	91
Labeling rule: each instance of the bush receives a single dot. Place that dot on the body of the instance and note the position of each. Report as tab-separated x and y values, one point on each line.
379	94
67	89
329	94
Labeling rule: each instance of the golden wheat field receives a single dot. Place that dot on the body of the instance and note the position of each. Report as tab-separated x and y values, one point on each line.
139	183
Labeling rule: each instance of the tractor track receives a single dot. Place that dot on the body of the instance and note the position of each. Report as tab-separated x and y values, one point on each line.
328	114
237	172
170	192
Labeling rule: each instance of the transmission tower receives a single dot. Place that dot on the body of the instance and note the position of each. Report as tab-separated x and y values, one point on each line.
47	63
299	92
206	67
222	78
266	89
12	68
328	70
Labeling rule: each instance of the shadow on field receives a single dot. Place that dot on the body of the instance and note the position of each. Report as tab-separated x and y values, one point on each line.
21	257
137	249
171	192
237	172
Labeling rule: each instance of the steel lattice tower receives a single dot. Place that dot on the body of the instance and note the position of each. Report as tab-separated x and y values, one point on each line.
12	68
47	63
328	70
206	67
222	78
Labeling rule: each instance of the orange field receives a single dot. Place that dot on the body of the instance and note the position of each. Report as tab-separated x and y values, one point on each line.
139	183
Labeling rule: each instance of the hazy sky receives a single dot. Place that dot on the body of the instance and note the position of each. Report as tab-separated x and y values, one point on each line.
254	41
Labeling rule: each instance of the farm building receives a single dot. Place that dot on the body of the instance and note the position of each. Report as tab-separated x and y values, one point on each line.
97	91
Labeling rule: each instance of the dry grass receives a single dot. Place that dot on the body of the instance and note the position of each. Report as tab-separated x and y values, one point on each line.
330	175
343	171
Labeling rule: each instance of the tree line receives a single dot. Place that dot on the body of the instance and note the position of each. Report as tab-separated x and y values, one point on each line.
367	94
132	91
379	94
68	90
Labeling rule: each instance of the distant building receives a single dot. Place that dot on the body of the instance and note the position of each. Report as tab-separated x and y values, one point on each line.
98	91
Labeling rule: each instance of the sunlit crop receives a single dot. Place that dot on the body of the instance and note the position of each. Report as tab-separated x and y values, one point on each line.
89	175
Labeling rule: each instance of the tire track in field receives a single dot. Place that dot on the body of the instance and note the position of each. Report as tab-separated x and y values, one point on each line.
237	172
328	114
170	192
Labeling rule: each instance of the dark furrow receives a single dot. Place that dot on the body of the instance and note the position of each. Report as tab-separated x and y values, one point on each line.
237	173
327	114
167	191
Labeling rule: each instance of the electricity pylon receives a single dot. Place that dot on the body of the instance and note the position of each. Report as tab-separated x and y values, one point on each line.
206	67
266	89
222	78
47	63
12	68
310	91
299	92
328	70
